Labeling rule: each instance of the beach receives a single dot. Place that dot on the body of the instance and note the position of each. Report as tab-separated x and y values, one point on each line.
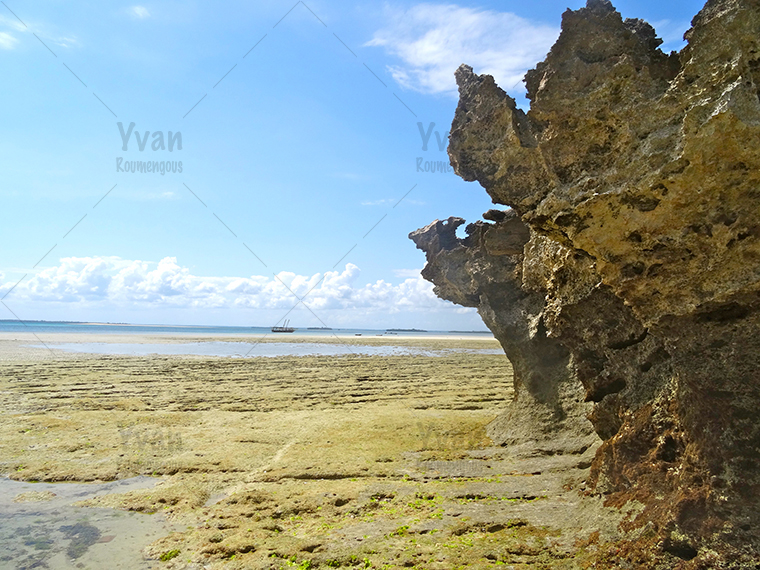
307	461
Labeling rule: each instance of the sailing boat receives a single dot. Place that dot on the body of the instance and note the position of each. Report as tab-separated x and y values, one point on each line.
285	328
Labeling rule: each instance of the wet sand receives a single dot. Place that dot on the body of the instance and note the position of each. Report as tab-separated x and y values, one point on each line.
312	461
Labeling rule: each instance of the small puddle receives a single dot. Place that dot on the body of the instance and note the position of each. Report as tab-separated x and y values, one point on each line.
39	527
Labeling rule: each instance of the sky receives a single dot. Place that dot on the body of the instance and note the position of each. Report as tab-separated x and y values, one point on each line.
287	152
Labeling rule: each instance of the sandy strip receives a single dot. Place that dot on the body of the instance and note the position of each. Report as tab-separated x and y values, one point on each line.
16	346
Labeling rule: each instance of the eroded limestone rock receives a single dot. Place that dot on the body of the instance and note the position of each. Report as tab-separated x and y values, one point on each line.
485	270
634	188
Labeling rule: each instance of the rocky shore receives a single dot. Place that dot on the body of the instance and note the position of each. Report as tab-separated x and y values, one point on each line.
283	462
623	280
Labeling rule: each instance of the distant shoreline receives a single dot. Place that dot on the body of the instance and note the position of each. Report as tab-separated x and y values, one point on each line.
50	326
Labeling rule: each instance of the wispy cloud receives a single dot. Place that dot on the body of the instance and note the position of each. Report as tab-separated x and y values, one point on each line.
350	176
7	41
65	41
407	273
139	12
147	196
12	23
432	40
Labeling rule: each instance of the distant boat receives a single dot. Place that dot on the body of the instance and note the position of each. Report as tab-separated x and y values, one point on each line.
285	328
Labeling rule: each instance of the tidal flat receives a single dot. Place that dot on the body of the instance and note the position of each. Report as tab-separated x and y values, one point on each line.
353	460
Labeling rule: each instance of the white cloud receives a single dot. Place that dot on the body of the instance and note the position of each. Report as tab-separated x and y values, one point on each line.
7	41
140	12
432	40
110	282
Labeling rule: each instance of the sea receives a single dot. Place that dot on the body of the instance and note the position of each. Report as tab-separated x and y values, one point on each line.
310	342
44	327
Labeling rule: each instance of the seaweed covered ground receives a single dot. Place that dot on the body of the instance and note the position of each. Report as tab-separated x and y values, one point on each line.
306	462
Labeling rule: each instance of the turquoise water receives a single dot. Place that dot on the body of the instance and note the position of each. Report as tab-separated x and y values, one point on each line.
108	328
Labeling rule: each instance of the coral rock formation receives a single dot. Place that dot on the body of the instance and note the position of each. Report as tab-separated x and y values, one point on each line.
624	280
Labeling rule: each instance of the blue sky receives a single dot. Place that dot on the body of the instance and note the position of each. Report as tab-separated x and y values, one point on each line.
299	128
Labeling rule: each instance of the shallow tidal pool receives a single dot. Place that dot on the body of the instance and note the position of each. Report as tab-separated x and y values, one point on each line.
40	527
